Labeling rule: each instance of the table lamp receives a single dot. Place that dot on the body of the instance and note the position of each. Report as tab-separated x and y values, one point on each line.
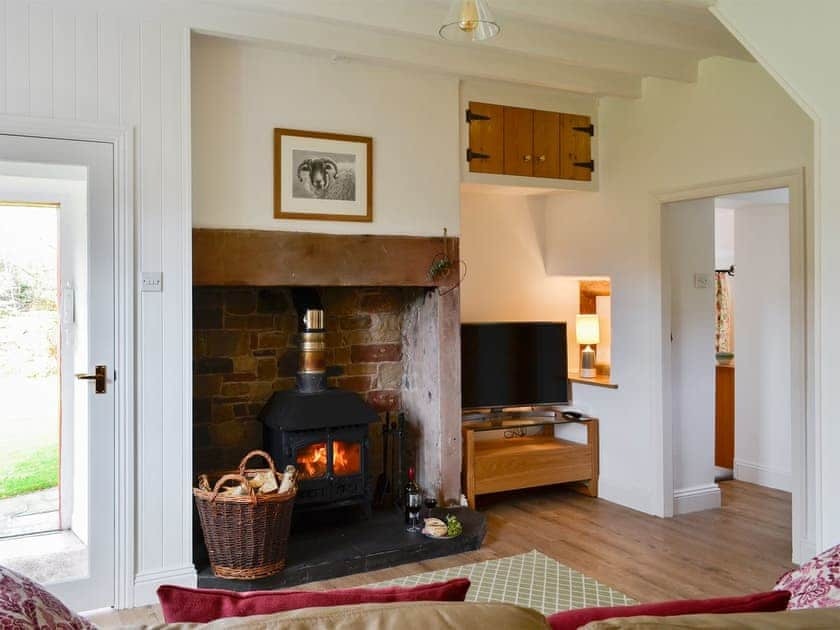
588	333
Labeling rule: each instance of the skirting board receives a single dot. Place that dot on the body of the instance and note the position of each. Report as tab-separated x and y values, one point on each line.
146	584
697	498
763	475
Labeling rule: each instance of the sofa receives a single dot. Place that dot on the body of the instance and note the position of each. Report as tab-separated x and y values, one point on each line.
495	616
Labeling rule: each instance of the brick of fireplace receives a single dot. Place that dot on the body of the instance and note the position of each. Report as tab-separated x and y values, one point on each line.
245	348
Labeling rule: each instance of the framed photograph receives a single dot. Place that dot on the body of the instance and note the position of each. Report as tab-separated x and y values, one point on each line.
322	176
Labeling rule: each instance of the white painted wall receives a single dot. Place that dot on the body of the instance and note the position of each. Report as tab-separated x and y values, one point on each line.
671	138
799	48
506	281
109	63
688	233
242	91
762	376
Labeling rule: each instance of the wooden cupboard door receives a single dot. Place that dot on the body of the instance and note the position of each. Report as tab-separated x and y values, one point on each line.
546	144
725	416
519	141
486	138
575	147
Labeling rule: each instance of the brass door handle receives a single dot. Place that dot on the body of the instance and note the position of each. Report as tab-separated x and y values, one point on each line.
98	376
541	158
527	158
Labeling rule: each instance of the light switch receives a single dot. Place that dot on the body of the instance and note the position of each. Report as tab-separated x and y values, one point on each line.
702	280
152	281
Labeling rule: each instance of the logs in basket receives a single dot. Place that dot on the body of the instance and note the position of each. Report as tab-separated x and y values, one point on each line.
247	534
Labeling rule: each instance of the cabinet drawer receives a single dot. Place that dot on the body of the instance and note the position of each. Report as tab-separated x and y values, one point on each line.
575	147
519	141
486	138
546	144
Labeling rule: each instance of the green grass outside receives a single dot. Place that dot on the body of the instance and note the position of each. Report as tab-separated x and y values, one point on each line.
29	471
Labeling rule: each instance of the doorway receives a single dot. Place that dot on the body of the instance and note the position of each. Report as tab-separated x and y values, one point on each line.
58	340
692	286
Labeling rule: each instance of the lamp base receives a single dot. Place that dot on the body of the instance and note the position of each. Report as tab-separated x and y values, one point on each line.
587	362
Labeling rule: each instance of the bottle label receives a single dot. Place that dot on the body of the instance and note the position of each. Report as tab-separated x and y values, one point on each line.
413	500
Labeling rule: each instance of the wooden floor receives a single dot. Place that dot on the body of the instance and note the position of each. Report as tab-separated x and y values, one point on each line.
741	548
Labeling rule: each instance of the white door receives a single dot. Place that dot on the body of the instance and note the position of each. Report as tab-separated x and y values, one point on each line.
74	554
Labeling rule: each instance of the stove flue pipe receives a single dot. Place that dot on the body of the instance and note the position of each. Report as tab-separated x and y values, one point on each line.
312	368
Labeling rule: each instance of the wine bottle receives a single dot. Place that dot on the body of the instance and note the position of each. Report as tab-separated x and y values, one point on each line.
412	499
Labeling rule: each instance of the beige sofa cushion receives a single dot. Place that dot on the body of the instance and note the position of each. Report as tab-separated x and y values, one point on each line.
397	616
813	619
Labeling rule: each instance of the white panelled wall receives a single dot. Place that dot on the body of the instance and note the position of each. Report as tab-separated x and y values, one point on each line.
82	63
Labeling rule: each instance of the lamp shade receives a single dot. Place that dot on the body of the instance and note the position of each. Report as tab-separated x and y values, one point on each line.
469	21
587	329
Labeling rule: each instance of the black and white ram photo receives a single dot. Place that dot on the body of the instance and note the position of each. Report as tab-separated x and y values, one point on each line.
322	175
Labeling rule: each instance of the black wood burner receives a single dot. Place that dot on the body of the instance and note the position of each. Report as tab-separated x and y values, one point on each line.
321	431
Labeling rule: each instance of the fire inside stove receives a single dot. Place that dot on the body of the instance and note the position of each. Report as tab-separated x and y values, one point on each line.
346	459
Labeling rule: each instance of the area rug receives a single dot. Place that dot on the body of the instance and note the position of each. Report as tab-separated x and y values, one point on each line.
532	580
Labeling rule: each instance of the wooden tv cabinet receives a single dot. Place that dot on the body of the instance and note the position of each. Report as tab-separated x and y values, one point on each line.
522	452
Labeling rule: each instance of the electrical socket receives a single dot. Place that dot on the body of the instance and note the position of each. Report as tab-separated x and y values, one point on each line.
702	280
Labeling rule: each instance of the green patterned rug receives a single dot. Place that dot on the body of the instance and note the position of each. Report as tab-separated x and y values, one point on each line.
530	579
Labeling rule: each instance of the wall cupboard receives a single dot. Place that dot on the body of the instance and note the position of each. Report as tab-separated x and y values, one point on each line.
507	140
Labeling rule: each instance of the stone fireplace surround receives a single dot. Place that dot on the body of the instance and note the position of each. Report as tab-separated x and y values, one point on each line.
393	337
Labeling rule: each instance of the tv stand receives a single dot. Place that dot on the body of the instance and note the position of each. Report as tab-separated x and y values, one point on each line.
508	457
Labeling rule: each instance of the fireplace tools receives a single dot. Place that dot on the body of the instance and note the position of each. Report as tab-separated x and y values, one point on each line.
390	482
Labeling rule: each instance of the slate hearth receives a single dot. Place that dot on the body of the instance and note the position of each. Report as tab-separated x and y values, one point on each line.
322	552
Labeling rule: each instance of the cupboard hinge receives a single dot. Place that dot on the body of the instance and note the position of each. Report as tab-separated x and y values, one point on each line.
590	165
472	155
590	129
471	116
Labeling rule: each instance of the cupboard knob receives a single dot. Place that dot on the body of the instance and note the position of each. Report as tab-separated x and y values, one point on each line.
541	158
527	158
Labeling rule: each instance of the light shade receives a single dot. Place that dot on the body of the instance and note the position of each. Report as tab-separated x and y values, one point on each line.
469	21
587	329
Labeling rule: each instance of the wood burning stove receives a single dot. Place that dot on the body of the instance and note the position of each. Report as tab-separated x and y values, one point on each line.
321	431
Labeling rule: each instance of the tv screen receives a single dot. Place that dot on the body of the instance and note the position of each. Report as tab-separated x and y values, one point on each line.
513	364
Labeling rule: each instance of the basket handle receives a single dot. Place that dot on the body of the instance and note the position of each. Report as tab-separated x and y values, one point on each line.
252	454
233	477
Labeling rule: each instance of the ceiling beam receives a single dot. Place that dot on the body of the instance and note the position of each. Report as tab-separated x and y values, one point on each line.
686	25
371	44
526	37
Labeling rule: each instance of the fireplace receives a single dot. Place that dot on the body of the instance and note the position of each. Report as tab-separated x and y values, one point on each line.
391	340
322	432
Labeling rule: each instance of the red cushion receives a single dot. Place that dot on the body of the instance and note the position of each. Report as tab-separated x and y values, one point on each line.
772	601
202	605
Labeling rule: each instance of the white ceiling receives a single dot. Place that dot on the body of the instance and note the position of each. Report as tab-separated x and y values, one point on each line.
600	47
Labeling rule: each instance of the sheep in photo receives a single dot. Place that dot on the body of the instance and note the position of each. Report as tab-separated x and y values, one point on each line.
323	180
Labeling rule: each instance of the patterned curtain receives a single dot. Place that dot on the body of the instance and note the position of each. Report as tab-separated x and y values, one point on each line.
723	311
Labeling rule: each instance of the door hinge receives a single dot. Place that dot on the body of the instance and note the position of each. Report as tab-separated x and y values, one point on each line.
472	116
590	129
590	165
472	155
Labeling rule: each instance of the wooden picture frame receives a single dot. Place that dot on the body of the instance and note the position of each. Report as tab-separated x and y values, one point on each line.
322	176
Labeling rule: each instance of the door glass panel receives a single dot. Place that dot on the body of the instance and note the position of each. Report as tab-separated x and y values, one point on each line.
347	458
312	461
30	384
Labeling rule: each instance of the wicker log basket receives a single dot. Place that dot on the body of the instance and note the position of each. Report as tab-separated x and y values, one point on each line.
246	535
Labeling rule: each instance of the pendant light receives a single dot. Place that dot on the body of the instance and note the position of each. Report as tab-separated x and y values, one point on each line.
469	21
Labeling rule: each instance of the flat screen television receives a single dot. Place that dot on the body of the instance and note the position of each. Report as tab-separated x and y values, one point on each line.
513	365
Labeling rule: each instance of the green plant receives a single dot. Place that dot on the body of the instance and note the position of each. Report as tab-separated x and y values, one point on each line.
29	471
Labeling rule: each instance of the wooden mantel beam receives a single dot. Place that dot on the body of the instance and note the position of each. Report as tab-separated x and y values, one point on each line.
274	258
